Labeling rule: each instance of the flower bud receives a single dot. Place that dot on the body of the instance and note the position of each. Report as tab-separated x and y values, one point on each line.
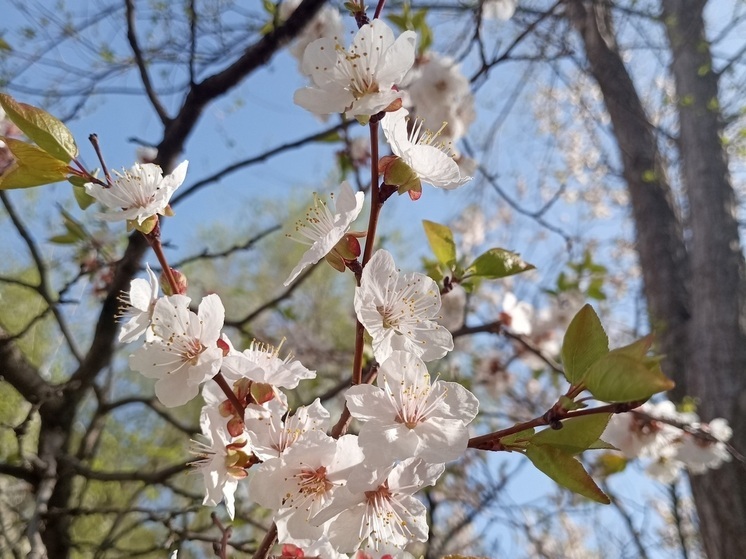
181	283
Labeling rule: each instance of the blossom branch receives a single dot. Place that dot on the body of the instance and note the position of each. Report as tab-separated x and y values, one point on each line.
552	417
266	546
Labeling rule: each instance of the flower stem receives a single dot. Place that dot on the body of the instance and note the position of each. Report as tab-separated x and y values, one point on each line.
379	9
228	391
265	547
93	138
370	238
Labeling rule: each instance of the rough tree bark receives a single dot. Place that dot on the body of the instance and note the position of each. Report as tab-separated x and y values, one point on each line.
695	293
716	371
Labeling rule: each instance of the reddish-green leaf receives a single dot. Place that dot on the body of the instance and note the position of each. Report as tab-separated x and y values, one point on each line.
585	343
563	468
32	167
49	133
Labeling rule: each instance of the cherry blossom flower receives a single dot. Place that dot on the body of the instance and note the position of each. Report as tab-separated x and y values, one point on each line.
184	351
699	454
498	9
399	311
139	193
516	315
423	151
326	23
271	433
323	229
453	308
359	81
221	461
377	508
261	363
138	311
439	92
302	482
408	416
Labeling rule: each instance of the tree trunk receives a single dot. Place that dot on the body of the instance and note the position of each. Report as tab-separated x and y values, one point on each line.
696	296
716	370
659	241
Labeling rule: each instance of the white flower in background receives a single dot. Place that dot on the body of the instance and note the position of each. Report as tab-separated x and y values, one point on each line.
323	229
399	311
139	193
221	461
379	509
271	433
438	91
326	23
699	454
138	310
359	81
303	481
184	352
422	150
453	308
516	315
408	416
638	436
498	9
261	363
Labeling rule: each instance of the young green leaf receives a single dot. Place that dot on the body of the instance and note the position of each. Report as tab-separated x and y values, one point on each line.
498	263
441	241
577	433
563	468
618	377
49	133
517	440
31	167
585	343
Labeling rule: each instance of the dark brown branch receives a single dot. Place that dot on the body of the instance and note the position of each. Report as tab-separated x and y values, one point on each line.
142	64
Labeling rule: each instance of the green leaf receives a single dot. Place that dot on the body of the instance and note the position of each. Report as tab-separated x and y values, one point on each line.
65	239
563	468
517	440
73	226
498	263
585	343
49	133
577	433
619	377
441	241
82	197
31	167
4	45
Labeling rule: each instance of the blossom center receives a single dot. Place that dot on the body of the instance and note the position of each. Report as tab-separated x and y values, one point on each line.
425	137
313	482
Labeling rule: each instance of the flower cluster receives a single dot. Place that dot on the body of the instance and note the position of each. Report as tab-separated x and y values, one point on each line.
335	496
654	433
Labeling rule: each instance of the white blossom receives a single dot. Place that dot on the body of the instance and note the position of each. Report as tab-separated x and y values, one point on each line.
323	229
139	193
326	23
261	363
139	303
221	461
359	81
303	481
184	351
498	9
408	416
437	91
422	150
271	433
378	508
399	311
